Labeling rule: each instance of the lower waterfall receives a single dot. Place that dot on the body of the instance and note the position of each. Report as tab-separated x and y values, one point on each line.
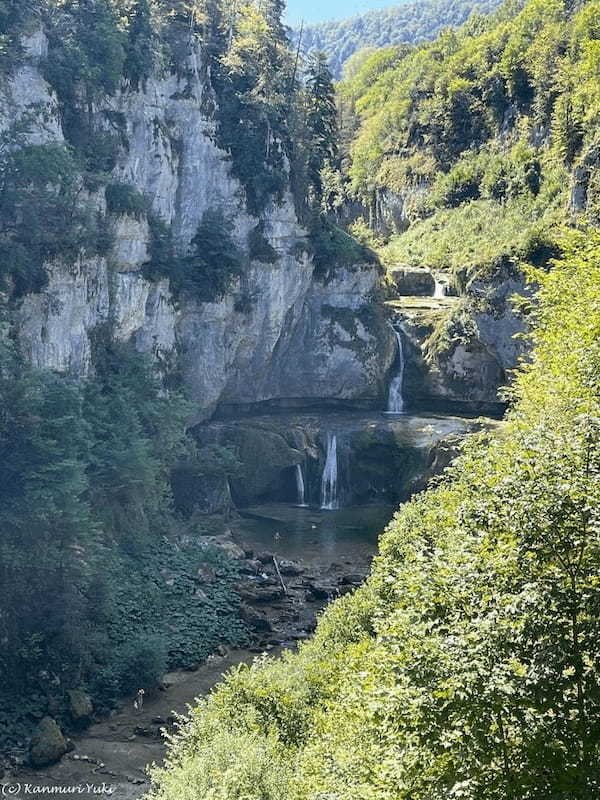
300	486
396	397
329	481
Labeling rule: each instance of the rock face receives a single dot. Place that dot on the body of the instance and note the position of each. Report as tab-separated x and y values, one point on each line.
47	745
293	338
460	351
379	458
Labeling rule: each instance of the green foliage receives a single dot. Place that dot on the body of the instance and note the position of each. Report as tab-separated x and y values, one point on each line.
141	41
333	248
410	22
259	247
252	71
41	218
467	666
89	534
121	198
211	268
321	121
504	78
480	239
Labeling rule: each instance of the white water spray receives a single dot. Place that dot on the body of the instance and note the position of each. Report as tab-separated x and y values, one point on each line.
440	290
300	486
329	481
396	397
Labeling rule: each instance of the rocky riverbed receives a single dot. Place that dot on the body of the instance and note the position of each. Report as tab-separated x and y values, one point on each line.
293	561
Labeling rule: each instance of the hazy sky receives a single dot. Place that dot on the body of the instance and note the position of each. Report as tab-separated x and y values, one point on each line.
318	10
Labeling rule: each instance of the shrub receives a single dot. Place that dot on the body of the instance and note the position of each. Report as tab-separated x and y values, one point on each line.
259	246
121	198
142	662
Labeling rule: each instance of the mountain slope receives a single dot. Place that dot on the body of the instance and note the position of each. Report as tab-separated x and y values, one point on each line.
410	23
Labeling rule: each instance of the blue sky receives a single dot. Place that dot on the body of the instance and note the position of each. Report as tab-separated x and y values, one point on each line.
319	10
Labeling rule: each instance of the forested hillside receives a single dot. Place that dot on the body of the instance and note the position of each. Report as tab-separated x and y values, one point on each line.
409	23
469	154
467	666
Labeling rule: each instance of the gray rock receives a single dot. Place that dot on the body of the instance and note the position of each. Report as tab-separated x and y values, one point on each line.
47	745
290	568
412	281
81	708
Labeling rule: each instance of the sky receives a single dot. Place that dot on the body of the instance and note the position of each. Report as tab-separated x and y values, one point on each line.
320	10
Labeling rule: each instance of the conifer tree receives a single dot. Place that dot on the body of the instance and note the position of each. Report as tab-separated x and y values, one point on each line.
139	58
321	121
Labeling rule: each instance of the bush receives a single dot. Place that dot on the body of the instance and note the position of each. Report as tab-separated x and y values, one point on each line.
121	198
334	249
209	271
141	663
259	246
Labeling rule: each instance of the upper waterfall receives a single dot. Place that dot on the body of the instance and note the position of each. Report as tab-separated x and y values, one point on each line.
396	397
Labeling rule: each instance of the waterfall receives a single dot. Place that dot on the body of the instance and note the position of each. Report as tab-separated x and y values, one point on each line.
300	486
396	398
329	481
440	290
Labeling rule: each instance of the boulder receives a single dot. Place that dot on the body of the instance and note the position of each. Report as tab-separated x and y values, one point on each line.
225	543
290	568
47	745
320	591
81	708
255	621
353	579
251	567
253	593
413	282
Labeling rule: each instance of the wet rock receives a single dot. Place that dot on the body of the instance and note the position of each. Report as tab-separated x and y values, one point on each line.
265	557
47	744
251	567
225	543
320	591
290	568
148	733
413	281
353	579
81	708
253	593
257	622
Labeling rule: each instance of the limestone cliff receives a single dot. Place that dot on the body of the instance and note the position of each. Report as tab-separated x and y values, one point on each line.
294	338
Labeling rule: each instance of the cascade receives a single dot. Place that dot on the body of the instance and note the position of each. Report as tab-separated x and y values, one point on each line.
396	398
440	290
329	481
300	486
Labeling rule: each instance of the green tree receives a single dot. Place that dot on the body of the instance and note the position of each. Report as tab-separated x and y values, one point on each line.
321	121
139	58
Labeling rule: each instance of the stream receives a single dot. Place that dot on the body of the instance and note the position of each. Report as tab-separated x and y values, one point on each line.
111	756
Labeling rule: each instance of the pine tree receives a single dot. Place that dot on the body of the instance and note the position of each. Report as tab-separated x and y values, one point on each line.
139	58
321	120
